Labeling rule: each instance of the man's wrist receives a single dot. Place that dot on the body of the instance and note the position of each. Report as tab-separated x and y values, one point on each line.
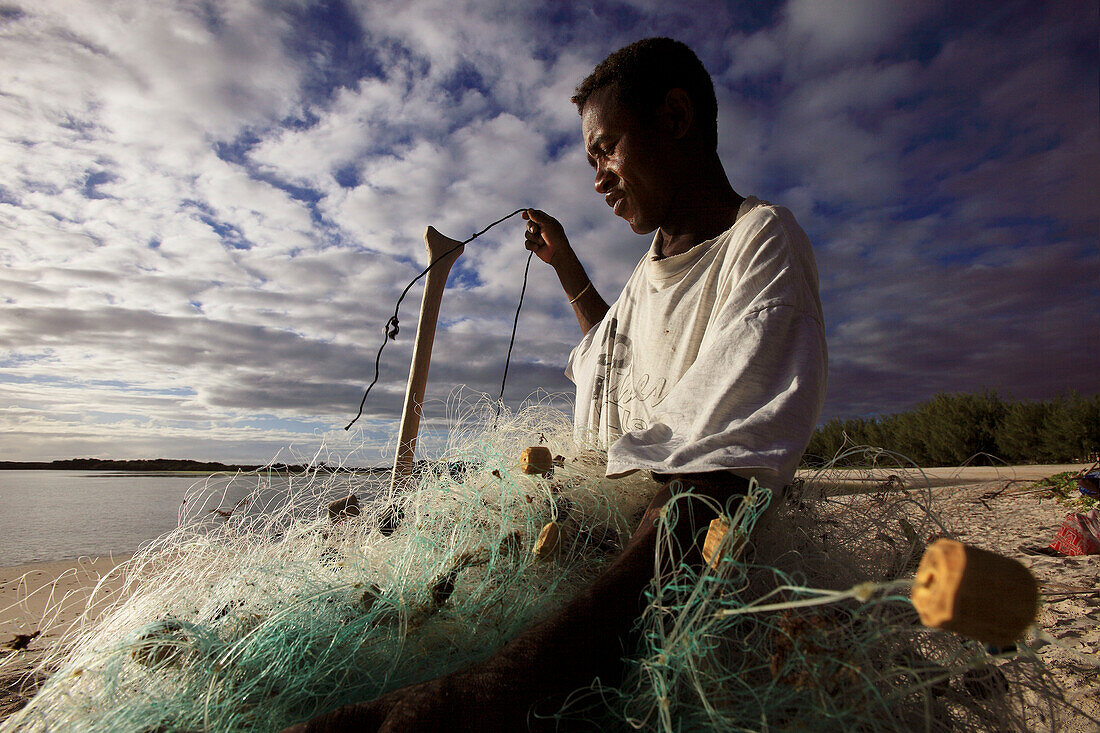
570	273
563	260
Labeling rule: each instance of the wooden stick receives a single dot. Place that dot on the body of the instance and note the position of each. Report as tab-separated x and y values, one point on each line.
437	245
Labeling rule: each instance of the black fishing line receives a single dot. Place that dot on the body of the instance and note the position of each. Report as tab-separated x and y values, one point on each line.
392	327
515	323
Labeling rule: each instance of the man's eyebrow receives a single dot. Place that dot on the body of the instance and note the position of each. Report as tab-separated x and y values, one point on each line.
596	143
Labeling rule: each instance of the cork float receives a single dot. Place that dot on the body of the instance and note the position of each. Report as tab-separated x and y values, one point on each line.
974	592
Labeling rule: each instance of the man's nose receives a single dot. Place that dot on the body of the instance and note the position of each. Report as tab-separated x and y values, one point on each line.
605	179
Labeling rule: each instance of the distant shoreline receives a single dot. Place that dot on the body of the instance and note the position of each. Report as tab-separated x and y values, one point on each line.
162	465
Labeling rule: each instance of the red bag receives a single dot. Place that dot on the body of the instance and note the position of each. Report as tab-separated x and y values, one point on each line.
1079	535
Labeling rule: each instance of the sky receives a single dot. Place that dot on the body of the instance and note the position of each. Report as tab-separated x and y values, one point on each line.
208	209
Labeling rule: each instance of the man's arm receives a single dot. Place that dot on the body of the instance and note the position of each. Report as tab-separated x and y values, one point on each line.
546	238
587	638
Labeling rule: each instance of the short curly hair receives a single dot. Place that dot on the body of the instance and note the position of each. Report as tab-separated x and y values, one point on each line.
642	74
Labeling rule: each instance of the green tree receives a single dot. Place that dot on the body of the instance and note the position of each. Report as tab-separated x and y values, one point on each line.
825	442
1071	428
1021	436
956	427
950	429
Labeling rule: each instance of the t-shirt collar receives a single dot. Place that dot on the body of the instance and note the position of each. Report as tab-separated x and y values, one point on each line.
663	268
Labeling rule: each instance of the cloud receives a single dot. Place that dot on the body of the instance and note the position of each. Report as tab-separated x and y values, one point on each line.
831	31
209	210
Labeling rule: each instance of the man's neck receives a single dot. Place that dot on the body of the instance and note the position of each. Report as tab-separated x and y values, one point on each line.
702	209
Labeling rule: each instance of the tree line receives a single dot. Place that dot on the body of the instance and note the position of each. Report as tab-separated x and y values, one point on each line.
950	429
161	464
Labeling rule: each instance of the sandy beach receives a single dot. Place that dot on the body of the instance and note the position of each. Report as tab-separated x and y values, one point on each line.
993	508
50	596
1004	515
62	588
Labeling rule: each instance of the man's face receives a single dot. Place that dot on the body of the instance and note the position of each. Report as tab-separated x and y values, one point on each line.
630	173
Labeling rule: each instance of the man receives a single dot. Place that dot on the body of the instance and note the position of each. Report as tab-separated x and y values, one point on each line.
709	368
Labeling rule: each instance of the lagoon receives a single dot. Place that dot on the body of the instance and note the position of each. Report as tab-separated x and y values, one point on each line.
54	515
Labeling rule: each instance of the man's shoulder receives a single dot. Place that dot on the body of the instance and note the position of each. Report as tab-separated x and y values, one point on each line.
762	229
758	216
770	256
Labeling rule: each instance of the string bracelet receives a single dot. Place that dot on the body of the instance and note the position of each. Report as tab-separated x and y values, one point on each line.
582	292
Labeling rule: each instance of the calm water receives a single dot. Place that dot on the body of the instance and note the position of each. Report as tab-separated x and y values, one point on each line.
55	515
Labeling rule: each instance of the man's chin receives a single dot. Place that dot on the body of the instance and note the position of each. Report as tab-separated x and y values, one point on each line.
637	225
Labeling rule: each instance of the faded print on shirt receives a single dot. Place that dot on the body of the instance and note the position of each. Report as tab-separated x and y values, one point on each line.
630	399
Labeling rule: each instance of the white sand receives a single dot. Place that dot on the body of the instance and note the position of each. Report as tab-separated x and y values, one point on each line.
998	509
50	595
54	591
1069	586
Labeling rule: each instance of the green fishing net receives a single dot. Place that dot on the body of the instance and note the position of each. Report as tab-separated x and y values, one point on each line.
266	610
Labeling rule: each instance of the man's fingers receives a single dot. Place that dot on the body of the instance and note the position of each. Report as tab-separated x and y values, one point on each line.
544	234
533	238
534	226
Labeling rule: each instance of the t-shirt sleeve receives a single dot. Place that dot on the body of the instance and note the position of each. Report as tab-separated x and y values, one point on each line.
581	370
750	400
582	358
770	368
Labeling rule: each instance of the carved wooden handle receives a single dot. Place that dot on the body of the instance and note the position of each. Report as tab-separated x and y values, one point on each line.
438	246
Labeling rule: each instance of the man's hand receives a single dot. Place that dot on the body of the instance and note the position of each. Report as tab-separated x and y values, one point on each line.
545	237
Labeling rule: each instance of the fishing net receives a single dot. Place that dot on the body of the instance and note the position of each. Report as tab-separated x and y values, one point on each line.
808	625
262	611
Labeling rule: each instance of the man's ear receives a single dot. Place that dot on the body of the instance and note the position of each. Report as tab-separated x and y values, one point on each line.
676	113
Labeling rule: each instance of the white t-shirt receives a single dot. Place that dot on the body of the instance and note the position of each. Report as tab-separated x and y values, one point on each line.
712	359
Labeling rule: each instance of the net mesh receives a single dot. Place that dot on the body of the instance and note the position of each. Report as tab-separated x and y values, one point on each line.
808	626
259	612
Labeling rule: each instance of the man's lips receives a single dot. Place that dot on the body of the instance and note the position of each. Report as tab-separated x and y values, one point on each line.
616	201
